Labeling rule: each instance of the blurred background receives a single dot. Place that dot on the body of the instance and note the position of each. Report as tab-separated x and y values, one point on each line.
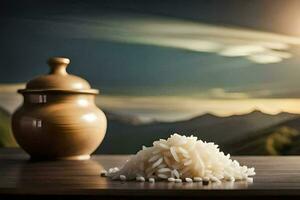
225	71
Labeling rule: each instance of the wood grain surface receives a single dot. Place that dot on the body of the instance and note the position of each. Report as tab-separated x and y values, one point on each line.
276	177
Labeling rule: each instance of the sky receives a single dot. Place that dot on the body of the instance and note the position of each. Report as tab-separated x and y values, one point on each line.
242	53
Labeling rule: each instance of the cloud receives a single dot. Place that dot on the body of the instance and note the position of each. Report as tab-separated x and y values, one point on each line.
255	46
167	108
220	93
171	108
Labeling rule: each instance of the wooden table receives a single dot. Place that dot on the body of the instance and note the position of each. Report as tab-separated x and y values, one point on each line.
276	176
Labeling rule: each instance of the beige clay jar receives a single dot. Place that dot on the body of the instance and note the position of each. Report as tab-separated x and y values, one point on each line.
58	118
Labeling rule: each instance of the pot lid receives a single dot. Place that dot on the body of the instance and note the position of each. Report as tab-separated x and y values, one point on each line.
58	80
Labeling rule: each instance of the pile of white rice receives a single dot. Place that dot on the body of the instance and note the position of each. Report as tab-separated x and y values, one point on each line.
181	158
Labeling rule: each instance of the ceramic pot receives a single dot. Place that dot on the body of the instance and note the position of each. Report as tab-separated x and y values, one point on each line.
58	118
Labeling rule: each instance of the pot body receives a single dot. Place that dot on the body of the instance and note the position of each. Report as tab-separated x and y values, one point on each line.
59	125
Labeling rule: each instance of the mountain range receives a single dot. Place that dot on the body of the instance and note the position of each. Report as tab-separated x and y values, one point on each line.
280	139
225	131
254	133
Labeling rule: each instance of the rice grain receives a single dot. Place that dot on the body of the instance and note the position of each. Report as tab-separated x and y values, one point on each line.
181	158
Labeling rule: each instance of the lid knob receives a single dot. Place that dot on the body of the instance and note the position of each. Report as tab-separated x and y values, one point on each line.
58	80
58	65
